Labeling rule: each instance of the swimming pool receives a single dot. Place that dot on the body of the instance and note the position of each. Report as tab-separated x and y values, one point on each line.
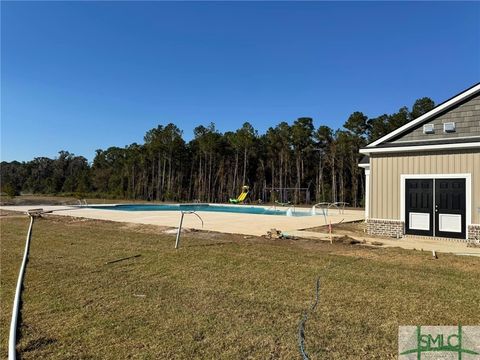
206	207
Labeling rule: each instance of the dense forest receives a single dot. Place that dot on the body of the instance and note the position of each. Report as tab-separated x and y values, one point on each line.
316	164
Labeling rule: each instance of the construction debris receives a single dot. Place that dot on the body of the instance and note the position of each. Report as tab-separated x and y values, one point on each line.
175	231
345	239
274	234
278	234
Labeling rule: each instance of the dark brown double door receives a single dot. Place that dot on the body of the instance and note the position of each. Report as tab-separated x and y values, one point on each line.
435	207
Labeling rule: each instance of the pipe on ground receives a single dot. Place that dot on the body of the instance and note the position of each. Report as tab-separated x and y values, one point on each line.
12	340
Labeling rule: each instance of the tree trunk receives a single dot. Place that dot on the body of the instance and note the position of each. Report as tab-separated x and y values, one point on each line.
280	191
210	179
163	175
235	176
298	182
334	181
354	170
159	175
200	178
190	185
169	172
273	181
153	179
244	166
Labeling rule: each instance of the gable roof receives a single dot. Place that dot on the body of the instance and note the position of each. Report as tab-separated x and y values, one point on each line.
425	117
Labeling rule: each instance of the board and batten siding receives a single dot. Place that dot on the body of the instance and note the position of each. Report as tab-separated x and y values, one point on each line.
386	169
466	117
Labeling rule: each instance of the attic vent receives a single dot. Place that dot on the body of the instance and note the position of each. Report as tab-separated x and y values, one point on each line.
449	127
428	129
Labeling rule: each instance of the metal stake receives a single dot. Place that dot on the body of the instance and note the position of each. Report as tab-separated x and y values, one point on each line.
177	241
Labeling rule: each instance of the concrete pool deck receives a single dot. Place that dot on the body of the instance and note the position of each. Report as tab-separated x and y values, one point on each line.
253	224
230	223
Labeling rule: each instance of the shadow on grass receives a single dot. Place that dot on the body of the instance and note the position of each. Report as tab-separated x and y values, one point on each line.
213	244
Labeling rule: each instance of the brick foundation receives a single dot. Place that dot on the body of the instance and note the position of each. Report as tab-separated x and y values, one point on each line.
396	229
474	232
390	228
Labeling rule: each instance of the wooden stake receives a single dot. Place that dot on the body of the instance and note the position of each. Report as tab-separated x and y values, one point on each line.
330	231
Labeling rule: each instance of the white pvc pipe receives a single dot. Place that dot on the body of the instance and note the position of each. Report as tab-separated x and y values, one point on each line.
12	340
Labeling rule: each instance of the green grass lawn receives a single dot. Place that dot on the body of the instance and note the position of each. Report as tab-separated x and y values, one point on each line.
219	296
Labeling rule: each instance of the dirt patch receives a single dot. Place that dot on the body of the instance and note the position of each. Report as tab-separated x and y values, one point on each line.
144	228
357	228
10	214
71	220
345	239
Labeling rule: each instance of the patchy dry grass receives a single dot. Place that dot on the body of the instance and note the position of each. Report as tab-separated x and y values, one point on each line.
219	296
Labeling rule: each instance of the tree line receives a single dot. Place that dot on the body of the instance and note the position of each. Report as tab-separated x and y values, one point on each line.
214	166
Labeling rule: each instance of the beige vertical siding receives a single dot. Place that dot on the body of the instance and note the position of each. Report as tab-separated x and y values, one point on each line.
385	171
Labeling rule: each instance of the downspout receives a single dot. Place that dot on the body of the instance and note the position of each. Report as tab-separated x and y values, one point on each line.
367	193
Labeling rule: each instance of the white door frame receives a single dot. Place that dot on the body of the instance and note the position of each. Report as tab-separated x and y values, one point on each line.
468	192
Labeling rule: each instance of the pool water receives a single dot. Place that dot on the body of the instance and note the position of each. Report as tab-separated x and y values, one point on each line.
205	207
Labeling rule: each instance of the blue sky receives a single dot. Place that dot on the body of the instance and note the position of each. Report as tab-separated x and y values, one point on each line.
80	76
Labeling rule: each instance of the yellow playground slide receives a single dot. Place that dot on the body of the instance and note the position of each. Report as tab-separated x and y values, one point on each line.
241	198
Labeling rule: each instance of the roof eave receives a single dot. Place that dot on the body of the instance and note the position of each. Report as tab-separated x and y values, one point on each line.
455	146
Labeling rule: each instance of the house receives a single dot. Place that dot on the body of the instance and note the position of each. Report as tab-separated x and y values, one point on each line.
424	177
